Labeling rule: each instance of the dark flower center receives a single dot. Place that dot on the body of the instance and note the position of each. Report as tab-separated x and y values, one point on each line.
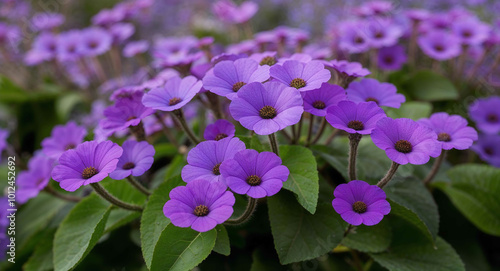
220	136
466	34
201	210
298	83
268	60
216	170
238	85
128	165
359	207
174	101
319	105
439	47
88	172
371	99
492	118
268	112
72	49
359	40
131	118
388	59
489	151
356	125
403	146
93	44
379	35
253	180
444	137
69	146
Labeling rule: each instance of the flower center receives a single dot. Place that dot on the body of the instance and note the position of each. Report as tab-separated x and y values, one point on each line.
216	170
359	40
268	60
388	60
403	146
298	83
131	118
238	85
379	35
439	47
201	210
444	137
128	165
253	180
69	146
93	44
268	112
492	118
319	105
220	136
489	151
359	207
88	172
356	125
466	34
174	101
371	99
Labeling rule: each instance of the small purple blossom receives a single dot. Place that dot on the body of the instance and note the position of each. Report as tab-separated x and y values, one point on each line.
125	113
405	141
317	101
35	179
121	32
347	69
135	47
90	162
94	41
255	174
452	131
360	118
302	76
383	33
488	149
486	113
174	94
471	31
353	38
69	42
63	138
391	58
358	203
265	58
46	21
228	12
219	130
136	159
4	134
200	205
440	45
368	89
267	108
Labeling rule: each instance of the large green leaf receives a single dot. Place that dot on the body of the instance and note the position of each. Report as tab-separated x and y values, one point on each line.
375	238
41	259
429	86
299	235
79	232
411	110
253	142
475	190
262	261
303	179
153	221
173	169
222	245
182	249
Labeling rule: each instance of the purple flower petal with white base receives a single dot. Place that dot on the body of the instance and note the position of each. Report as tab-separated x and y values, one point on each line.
136	159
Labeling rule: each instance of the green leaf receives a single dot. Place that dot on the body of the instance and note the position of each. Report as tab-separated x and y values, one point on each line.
299	235
429	86
173	169
165	150
123	190
182	248
65	104
79	232
475	190
261	261
222	245
253	142
411	110
303	179
375	238
11	93
41	259
153	221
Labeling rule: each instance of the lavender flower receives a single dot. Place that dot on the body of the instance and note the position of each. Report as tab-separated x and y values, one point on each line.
346	71
4	134
135	47
255	174
44	49
355	118
35	179
175	94
488	149
67	49
382	33
440	45
265	58
136	159
368	89
46	21
302	76
486	113
317	101
358	203
63	138
219	130
471	31
200	205
391	58
353	38
90	162
205	159
405	141
452	131
228	12
121	32
267	108
94	41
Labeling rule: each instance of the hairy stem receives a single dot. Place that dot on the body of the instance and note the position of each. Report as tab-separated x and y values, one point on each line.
388	176
320	132
115	201
309	131
166	131
435	167
49	189
251	206
353	152
179	115
138	185
138	132
274	143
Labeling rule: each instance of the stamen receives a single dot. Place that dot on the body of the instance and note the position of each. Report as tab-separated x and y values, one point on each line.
220	136
268	112
298	83
201	210
359	207
253	180
89	172
403	146
128	165
174	101
356	125
319	105
238	85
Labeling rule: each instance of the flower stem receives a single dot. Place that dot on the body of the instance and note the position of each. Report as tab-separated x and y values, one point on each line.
49	189
138	132
435	168
353	152
309	131
180	118
274	143
138	185
320	132
299	129
332	136
107	196
166	131
251	206
388	176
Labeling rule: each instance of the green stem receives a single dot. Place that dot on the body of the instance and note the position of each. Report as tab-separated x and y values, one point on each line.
309	131
107	196
138	185
353	152
274	143
49	189
320	132
435	168
180	118
388	176
166	131
251	206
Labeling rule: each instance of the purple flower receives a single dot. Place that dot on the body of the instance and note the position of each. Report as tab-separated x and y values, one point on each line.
355	118
63	138
317	101
302	76
200	205
108	17
44	21
44	49
135	47
486	113
452	131
126	92
265	58
136	159
90	162
94	41
255	174
226	56
488	149
174	94
205	159
368	89
228	12
125	113
353	38
267	108
300	57
227	77
382	33
391	58
405	141
358	203
35	179
67	49
347	69
440	45
121	32
4	134
175	59
471	31
219	130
